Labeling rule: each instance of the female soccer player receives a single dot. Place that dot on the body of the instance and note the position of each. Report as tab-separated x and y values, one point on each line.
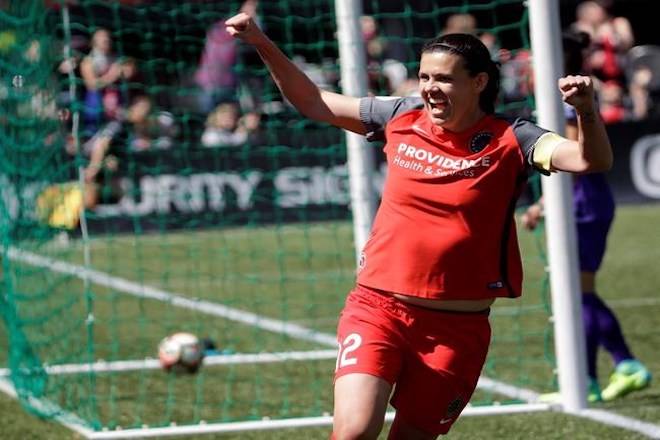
594	212
443	244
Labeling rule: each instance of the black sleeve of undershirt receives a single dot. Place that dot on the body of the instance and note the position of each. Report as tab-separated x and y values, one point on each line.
527	133
376	112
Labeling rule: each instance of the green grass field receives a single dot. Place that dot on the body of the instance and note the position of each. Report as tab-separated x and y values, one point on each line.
297	274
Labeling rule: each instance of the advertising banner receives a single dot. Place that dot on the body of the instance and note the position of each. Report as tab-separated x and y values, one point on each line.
263	184
219	187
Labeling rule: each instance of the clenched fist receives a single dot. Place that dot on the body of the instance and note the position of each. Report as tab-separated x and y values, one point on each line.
243	26
578	91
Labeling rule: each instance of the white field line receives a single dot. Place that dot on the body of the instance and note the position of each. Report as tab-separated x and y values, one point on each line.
68	419
153	364
606	417
613	419
142	291
267	424
299	332
223	279
505	389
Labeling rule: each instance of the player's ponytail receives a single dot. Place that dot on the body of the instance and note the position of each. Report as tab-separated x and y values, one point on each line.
477	59
489	96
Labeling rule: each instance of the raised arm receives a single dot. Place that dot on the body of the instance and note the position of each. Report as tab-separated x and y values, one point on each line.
317	104
591	152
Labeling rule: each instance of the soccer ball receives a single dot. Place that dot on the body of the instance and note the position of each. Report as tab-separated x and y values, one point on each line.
181	353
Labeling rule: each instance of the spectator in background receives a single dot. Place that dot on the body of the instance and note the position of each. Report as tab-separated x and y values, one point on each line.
109	145
100	71
38	99
8	36
226	128
130	124
460	23
117	97
640	94
69	64
466	23
611	37
137	115
216	76
518	84
612	103
380	67
644	76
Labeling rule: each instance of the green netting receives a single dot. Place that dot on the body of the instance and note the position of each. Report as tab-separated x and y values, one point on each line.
237	244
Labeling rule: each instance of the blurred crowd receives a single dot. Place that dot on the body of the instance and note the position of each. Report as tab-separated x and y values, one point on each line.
120	113
623	73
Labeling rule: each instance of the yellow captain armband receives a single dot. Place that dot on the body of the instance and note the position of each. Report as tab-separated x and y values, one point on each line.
543	150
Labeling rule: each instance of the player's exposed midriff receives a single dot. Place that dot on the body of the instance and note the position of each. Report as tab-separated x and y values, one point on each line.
475	305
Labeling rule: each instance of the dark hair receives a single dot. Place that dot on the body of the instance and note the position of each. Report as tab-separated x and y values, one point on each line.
476	59
605	4
574	42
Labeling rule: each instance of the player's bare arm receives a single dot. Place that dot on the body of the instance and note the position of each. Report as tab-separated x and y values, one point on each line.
592	151
314	103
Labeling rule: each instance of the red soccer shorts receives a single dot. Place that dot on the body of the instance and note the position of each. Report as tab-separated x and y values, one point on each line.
434	357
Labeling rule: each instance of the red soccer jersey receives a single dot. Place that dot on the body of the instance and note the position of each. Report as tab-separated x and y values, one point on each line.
445	227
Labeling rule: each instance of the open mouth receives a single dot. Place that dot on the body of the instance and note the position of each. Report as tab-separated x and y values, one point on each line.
437	105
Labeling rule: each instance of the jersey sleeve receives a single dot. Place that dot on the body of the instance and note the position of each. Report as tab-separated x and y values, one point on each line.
536	144
570	114
376	112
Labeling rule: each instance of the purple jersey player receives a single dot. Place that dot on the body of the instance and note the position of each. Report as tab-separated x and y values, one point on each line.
594	212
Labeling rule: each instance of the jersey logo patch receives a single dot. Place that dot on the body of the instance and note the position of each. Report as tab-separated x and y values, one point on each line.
480	141
453	410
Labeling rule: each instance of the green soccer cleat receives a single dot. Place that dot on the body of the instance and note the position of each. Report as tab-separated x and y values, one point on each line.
629	375
593	394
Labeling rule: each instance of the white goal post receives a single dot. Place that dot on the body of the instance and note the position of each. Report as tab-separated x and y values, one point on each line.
545	33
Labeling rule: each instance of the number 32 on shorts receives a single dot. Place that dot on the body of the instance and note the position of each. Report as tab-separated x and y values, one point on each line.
351	343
